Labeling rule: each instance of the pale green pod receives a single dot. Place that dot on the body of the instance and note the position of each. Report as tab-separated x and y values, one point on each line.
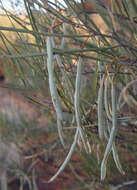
77	102
100	110
53	90
115	154
116	159
68	157
114	105
107	152
112	133
106	99
63	41
59	62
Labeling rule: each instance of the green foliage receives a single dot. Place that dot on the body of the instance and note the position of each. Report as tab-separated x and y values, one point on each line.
68	58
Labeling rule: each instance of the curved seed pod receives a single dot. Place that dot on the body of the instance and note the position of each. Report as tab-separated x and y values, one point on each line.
59	62
63	41
115	154
112	133
78	131
116	159
77	102
100	110
68	157
53	90
106	99
113	96
107	152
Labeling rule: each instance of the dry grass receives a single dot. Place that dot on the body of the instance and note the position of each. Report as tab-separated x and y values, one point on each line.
6	21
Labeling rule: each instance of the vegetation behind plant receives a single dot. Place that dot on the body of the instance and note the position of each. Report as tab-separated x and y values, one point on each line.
82	77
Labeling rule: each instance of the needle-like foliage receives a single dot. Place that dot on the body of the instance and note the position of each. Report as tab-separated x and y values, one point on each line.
74	55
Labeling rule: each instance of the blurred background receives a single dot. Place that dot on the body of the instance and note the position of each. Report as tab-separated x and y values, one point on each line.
42	106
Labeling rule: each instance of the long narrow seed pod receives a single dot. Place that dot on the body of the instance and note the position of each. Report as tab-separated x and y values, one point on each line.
68	157
116	159
115	154
100	109
68	85
114	107
63	41
106	154
106	99
78	131
59	62
77	102
112	133
53	90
